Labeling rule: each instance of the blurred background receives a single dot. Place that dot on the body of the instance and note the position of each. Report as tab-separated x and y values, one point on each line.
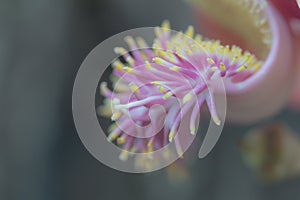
43	43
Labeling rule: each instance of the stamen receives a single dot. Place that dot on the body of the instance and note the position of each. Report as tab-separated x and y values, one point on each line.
121	140
222	67
167	95
138	103
104	90
241	68
190	32
212	108
116	116
123	52
166	24
210	61
134	88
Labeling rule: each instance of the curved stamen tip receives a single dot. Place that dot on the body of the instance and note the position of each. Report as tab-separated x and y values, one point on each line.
192	130
121	140
210	61
222	67
129	40
120	50
187	98
190	31
116	116
217	121
157	60
124	155
134	88
166	24
167	95
171	136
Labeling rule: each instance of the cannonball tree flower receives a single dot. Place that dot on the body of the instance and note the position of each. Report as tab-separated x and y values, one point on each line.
177	73
273	36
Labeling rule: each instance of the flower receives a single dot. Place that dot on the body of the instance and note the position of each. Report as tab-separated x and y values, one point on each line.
269	90
155	89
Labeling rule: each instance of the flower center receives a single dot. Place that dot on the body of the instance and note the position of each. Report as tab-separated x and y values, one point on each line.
237	22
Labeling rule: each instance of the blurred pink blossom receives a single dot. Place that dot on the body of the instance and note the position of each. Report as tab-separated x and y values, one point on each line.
278	81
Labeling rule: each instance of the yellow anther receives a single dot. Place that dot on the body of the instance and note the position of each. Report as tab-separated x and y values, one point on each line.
221	50
241	68
163	54
192	129
171	57
120	50
111	137
161	89
130	60
124	155
156	83
214	69
118	65
210	61
121	140
103	87
217	121
179	53
116	116
141	42
128	69
175	68
158	60
134	88
130	41
257	67
171	136
156	46
121	87
150	146
250	59
167	95
226	49
222	66
234	58
187	98
190	31
165	24
133	149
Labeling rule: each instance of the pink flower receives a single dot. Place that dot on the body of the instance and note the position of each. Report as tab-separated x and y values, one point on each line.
155	89
176	75
244	24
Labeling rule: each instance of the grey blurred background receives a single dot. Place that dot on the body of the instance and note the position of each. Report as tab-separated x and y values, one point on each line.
42	44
